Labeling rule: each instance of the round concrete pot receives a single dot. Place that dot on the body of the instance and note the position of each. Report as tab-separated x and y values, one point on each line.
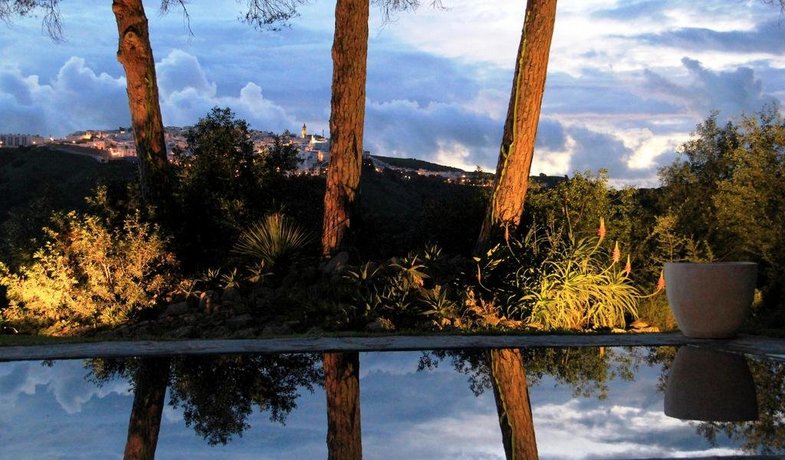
710	386
710	300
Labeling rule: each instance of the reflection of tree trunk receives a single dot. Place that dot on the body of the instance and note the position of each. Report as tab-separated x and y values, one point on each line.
508	378
523	114
347	116
342	386
151	380
136	55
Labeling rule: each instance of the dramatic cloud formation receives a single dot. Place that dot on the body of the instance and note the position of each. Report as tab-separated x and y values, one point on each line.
628	80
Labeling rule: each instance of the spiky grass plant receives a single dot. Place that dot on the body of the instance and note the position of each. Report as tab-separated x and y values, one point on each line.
551	281
578	289
275	241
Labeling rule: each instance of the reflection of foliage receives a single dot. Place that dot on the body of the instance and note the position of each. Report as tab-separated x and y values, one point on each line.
473	363
765	436
217	394
89	275
586	369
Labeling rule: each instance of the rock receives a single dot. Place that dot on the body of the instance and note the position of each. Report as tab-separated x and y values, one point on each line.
380	325
642	326
315	331
185	332
207	302
512	324
277	329
245	333
176	309
646	329
239	322
8	330
231	295
336	263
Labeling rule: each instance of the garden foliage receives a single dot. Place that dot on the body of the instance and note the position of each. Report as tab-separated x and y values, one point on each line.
88	275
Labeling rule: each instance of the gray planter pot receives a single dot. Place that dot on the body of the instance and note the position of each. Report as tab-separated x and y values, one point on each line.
710	300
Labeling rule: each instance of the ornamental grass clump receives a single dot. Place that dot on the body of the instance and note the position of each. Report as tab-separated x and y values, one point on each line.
579	289
549	280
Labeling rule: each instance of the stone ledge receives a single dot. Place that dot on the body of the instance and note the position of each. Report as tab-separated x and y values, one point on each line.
774	348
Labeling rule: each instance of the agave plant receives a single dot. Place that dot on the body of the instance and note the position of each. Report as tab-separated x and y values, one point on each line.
275	240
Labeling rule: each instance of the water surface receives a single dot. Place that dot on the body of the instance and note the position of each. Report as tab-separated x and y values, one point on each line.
585	403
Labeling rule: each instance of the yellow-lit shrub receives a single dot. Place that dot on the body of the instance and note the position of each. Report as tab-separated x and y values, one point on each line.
88	275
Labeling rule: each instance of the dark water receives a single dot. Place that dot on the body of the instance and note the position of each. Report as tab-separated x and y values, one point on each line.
586	403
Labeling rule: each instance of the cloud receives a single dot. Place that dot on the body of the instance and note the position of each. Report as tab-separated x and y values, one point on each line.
765	37
731	92
442	132
600	92
79	98
631	10
75	98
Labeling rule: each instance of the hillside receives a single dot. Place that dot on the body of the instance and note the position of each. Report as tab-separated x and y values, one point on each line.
63	180
415	164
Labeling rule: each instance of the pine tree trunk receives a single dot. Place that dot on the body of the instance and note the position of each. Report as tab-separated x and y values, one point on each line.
342	386
151	380
508	378
520	129
136	55
347	116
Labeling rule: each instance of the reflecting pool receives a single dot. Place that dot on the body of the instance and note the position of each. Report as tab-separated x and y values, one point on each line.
570	403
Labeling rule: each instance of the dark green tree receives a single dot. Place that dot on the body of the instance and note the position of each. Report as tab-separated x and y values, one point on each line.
215	182
727	190
278	159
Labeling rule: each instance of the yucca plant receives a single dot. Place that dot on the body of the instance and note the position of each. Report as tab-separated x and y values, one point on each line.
276	240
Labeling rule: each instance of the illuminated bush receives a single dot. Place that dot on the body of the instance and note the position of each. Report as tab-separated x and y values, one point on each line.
88	275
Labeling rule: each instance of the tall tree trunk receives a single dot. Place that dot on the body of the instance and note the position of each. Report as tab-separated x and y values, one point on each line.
347	116
136	55
145	423
520	129
342	386
508	378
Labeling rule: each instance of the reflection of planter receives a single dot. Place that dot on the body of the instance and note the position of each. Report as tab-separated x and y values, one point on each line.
710	300
710	385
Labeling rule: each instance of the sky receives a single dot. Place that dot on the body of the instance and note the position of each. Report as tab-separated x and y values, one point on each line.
53	411
628	80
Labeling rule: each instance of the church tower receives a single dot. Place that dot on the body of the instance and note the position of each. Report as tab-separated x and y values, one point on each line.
304	132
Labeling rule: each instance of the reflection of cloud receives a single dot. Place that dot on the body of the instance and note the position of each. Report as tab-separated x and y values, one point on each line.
64	380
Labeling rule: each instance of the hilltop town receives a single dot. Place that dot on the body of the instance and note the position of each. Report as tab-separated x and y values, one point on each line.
313	151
